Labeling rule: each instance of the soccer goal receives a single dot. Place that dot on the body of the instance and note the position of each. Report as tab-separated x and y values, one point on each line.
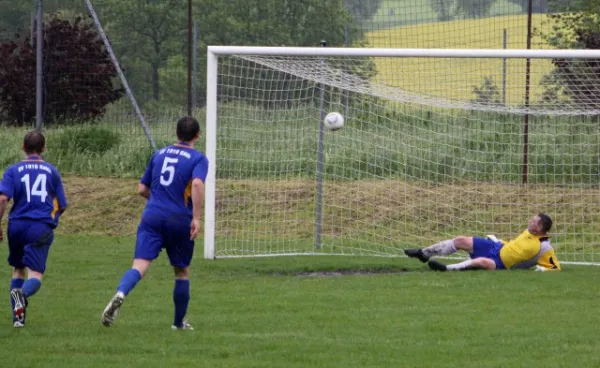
436	143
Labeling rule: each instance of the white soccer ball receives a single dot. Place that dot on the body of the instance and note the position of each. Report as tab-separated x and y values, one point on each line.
334	121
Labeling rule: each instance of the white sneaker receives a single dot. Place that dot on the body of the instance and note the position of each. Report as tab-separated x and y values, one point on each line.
112	309
184	326
20	305
17	324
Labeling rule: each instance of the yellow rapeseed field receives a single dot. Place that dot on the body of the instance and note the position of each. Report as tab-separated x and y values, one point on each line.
456	78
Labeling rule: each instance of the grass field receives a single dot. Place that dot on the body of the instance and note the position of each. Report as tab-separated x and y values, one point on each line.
456	78
276	312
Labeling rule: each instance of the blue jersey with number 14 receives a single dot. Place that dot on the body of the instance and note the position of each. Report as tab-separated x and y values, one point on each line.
36	189
169	176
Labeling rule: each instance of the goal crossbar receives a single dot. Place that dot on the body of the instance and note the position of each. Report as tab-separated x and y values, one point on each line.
413	53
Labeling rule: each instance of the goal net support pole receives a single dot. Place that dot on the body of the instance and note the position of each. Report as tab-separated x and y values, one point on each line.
122	78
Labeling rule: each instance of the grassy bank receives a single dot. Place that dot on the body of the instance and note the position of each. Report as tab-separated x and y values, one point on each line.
359	217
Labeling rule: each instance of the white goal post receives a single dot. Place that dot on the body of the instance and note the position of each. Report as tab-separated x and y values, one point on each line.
437	143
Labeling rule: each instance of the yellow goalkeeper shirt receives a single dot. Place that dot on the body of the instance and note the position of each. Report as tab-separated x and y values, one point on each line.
528	250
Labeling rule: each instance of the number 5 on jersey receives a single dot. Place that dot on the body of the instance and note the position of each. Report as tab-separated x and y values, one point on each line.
167	173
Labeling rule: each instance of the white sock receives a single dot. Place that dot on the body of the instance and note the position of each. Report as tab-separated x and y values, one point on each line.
439	249
460	266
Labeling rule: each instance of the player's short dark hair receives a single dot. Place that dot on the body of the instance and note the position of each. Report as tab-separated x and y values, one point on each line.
546	222
187	128
34	142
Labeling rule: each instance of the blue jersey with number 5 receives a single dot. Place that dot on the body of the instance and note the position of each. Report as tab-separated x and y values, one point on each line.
169	176
37	191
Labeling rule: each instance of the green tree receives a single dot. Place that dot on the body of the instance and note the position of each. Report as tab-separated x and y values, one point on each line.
443	8
545	6
362	9
474	8
149	37
575	25
488	93
145	34
15	16
571	23
272	23
538	6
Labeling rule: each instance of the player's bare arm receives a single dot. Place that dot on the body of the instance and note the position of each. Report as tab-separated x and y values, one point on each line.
143	190
198	205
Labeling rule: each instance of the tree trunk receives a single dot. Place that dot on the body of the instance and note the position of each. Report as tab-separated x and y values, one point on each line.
155	85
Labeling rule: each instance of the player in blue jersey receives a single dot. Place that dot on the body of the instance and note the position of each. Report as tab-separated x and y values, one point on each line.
173	183
39	199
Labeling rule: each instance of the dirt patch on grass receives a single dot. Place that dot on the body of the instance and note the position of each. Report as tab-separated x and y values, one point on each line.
350	272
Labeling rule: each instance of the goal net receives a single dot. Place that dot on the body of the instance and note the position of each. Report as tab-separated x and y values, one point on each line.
436	144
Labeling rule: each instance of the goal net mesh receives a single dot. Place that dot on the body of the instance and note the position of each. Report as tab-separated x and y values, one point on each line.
432	148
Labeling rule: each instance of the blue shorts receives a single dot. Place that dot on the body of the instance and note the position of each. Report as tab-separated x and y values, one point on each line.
156	232
487	248
29	244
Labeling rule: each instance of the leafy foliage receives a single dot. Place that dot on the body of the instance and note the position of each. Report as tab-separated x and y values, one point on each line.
149	37
449	9
577	26
88	139
78	74
145	34
538	6
474	8
443	8
546	6
362	9
488	93
15	16
274	23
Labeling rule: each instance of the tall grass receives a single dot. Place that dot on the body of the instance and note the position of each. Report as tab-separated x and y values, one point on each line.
405	143
409	143
84	150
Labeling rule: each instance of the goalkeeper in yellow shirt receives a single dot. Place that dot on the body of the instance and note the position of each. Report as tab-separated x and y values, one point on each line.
530	248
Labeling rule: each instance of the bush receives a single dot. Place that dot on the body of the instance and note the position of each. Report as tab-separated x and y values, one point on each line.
474	8
488	93
78	74
90	139
443	8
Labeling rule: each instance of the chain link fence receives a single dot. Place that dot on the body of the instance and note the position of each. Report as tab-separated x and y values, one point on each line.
89	108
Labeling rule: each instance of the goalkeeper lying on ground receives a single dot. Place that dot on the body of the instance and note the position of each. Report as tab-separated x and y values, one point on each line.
530	248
